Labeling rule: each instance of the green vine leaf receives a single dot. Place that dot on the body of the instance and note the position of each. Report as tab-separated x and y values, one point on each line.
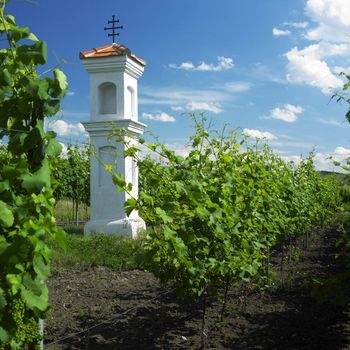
51	107
6	216
18	33
32	54
32	37
60	85
53	148
60	238
41	268
118	180
4	336
3	301
36	182
35	295
6	79
36	88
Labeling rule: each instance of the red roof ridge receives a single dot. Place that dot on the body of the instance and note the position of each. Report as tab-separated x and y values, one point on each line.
110	50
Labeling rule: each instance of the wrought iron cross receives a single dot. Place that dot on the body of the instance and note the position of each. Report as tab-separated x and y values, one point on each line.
113	28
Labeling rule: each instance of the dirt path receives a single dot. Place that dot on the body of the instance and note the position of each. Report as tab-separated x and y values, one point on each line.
140	314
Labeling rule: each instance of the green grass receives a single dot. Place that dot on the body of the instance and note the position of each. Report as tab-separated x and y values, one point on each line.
74	229
117	253
64	211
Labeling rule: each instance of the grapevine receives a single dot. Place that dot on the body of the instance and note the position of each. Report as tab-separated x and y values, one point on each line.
214	215
73	172
26	193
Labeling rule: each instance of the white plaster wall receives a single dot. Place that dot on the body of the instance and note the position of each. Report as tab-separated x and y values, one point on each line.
106	201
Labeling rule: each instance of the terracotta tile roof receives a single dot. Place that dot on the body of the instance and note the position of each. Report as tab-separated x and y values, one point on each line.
110	50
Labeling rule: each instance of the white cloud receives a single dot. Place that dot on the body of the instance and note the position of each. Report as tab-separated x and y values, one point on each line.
334	122
177	97
280	152
62	128
74	114
294	158
186	66
161	117
299	25
257	134
293	144
329	28
266	73
333	20
308	66
70	93
339	69
199	106
342	151
224	63
179	148
204	106
280	32
289	113
324	49
236	87
324	161
184	99
180	96
178	108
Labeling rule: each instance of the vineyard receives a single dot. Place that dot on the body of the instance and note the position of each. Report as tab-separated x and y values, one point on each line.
98	307
231	229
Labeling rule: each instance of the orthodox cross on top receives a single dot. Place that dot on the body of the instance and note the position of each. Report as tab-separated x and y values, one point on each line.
113	28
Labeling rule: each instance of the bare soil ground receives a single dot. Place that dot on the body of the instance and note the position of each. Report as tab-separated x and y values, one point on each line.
131	310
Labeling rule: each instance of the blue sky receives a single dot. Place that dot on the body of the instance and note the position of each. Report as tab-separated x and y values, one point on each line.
268	67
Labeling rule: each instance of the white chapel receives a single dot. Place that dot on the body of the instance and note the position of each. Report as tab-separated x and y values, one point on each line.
113	71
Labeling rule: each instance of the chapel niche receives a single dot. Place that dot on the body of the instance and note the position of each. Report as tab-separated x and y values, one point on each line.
107	95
